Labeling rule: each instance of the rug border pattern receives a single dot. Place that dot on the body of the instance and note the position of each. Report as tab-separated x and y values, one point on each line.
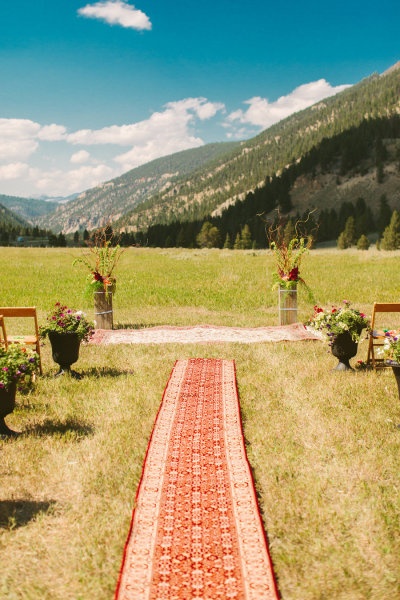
135	579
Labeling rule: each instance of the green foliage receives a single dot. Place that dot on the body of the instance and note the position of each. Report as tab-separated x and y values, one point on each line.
334	321
28	209
363	243
348	237
18	365
227	243
391	235
245	237
238	242
342	243
67	320
101	260
209	236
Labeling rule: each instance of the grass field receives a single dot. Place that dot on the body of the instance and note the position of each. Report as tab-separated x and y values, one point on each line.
323	446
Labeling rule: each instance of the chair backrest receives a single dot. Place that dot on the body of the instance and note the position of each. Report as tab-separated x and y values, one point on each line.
21	311
3	334
17	312
379	307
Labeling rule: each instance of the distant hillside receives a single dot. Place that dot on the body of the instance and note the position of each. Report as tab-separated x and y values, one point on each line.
30	209
12	226
190	185
354	174
110	201
9	219
216	186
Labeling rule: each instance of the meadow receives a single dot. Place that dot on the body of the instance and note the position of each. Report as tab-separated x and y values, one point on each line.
323	445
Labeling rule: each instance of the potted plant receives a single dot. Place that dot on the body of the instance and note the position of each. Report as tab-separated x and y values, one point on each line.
18	366
342	328
101	260
289	247
66	328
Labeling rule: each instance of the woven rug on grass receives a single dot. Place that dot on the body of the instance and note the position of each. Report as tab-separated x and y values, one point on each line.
196	530
203	333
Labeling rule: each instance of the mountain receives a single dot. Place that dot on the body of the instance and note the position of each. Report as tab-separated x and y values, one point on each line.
10	220
111	200
193	184
215	187
30	209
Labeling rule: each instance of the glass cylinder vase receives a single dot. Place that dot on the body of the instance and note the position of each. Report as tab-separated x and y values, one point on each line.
287	305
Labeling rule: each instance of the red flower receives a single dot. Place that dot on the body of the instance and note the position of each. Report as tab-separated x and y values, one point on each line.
97	276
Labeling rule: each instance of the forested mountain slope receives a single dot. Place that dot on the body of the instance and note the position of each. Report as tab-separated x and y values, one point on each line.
109	201
30	209
193	184
216	186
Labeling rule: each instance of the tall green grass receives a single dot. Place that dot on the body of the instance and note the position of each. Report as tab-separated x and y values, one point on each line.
323	445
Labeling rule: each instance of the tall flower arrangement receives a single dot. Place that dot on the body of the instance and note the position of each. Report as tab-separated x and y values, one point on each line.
289	244
101	261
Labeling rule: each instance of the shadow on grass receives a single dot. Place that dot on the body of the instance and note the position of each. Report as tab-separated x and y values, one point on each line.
70	429
94	372
107	372
17	513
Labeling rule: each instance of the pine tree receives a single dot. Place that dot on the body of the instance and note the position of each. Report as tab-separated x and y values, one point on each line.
348	237
208	236
391	235
246	237
227	244
363	243
342	242
238	242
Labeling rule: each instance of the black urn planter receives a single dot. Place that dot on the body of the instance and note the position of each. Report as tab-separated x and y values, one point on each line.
65	351
344	348
7	404
396	373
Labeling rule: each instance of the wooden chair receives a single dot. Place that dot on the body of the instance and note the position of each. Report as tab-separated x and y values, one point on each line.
377	336
3	334
18	312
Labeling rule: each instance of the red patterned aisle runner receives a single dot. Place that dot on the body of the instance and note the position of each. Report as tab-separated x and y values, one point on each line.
196	531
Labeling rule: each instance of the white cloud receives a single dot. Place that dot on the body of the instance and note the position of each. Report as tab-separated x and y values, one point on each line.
80	157
17	139
52	133
174	122
13	171
262	113
169	130
59	182
117	12
36	158
163	133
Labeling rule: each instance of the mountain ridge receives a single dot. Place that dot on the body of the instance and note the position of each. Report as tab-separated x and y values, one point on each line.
192	184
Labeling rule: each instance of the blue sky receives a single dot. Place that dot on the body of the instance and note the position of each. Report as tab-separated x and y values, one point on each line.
89	90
